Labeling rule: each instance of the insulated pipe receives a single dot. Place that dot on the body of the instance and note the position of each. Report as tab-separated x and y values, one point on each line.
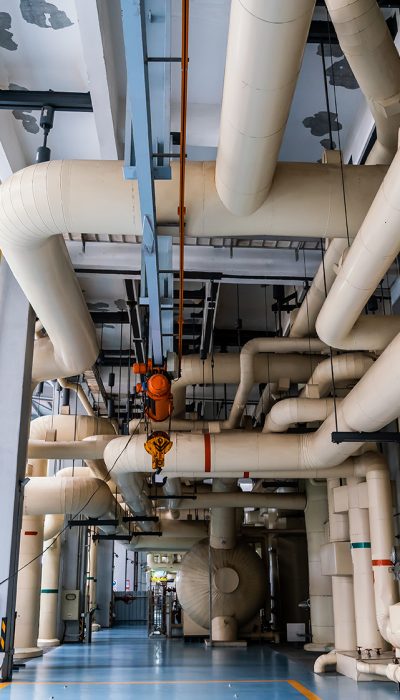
265	48
247	354
91	448
53	524
59	197
320	586
303	320
49	594
136	495
382	542
69	428
369	48
177	537
222	519
376	245
29	576
367	633
173	487
224	368
325	660
280	501
341	368
291	411
78	389
92	579
49	495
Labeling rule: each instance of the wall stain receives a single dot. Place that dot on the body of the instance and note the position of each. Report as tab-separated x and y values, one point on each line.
29	122
326	143
341	75
319	123
44	14
6	37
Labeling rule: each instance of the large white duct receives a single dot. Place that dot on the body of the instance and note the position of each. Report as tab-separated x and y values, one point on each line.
366	42
265	47
377	244
49	495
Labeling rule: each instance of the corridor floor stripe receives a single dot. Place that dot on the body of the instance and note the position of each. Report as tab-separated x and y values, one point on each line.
295	684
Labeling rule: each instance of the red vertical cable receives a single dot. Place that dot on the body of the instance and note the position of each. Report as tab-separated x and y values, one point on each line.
182	170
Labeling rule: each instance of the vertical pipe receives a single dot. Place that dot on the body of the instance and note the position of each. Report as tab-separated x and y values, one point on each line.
49	594
367	633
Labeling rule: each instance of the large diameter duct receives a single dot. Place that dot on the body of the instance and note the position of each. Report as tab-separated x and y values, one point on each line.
234	594
265	47
222	519
49	495
177	536
247	355
369	48
377	244
69	428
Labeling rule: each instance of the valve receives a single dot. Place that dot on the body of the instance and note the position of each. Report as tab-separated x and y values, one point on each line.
157	445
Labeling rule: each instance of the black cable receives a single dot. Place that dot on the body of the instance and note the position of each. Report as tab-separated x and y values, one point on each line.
66	527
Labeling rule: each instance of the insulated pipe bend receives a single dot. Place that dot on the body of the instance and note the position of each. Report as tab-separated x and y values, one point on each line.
337	369
265	48
290	411
366	42
375	247
247	355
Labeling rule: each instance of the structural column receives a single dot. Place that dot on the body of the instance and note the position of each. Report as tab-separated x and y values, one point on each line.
342	586
16	349
321	611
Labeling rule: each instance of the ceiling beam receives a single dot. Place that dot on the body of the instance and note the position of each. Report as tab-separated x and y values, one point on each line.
36	99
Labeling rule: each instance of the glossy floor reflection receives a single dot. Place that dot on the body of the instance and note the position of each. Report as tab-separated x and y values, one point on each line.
123	663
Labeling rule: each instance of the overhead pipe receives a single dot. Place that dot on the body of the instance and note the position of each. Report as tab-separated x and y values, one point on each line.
369	48
288	412
247	355
303	319
266	43
335	370
223	519
280	501
375	247
78	389
173	487
224	368
176	537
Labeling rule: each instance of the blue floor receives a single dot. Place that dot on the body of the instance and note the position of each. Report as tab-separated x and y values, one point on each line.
123	663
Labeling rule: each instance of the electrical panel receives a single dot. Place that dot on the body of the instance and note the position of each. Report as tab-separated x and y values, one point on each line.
70	605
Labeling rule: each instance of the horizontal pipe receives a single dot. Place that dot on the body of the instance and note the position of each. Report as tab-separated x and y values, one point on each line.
282	501
48	495
90	448
288	412
342	368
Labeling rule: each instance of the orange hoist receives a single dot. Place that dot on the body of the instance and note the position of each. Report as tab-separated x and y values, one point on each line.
155	388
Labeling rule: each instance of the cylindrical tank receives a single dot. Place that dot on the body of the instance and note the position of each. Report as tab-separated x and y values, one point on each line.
238	583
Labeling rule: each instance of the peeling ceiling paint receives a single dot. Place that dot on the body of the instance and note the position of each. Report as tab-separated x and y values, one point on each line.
6	37
341	75
321	122
44	14
29	122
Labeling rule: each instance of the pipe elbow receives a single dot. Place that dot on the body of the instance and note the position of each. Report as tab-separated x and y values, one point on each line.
325	660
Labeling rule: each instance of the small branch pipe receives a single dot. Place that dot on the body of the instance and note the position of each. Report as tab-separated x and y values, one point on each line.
366	42
265	48
325	660
377	244
304	319
373	669
288	412
78	389
342	368
247	354
281	501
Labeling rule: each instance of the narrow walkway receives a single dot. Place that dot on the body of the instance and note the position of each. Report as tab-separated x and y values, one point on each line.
123	663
